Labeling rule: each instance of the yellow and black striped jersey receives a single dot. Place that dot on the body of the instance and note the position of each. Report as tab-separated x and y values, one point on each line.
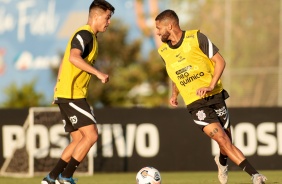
73	82
189	66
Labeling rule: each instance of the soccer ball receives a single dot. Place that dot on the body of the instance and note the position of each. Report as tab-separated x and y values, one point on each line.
148	175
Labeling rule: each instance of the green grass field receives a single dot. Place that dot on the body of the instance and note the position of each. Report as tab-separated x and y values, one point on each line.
235	177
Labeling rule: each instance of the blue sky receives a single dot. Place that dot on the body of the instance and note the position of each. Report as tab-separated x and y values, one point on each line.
29	41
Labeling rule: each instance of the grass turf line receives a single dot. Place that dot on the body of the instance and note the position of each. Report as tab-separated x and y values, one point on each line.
235	177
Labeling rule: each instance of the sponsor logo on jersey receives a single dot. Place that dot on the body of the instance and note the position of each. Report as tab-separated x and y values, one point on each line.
190	36
187	68
187	78
184	77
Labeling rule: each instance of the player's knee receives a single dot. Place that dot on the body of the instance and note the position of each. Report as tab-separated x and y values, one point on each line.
92	138
223	141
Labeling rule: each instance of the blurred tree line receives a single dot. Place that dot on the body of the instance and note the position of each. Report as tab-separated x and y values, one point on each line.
24	96
247	33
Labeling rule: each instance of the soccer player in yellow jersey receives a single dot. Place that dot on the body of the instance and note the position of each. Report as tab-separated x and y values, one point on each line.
71	91
195	66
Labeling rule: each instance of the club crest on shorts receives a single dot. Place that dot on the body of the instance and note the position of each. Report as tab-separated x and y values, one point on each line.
73	120
201	115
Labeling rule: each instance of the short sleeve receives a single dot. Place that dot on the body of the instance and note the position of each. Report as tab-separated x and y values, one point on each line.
207	47
81	39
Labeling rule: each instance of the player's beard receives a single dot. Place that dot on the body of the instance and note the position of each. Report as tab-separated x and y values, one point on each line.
165	37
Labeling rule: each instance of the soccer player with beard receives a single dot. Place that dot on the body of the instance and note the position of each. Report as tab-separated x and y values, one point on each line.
195	66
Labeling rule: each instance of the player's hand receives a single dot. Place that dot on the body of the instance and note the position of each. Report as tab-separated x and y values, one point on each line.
203	91
103	77
173	101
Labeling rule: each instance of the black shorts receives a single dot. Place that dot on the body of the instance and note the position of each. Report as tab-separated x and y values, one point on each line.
75	113
210	110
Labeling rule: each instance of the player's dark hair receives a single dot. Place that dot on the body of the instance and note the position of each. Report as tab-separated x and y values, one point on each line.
167	14
104	5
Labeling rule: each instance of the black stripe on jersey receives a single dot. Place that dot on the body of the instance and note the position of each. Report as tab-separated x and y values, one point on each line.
83	40
208	48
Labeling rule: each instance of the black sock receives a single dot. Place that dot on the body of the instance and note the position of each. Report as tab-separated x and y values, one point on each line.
223	159
71	167
246	166
59	168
